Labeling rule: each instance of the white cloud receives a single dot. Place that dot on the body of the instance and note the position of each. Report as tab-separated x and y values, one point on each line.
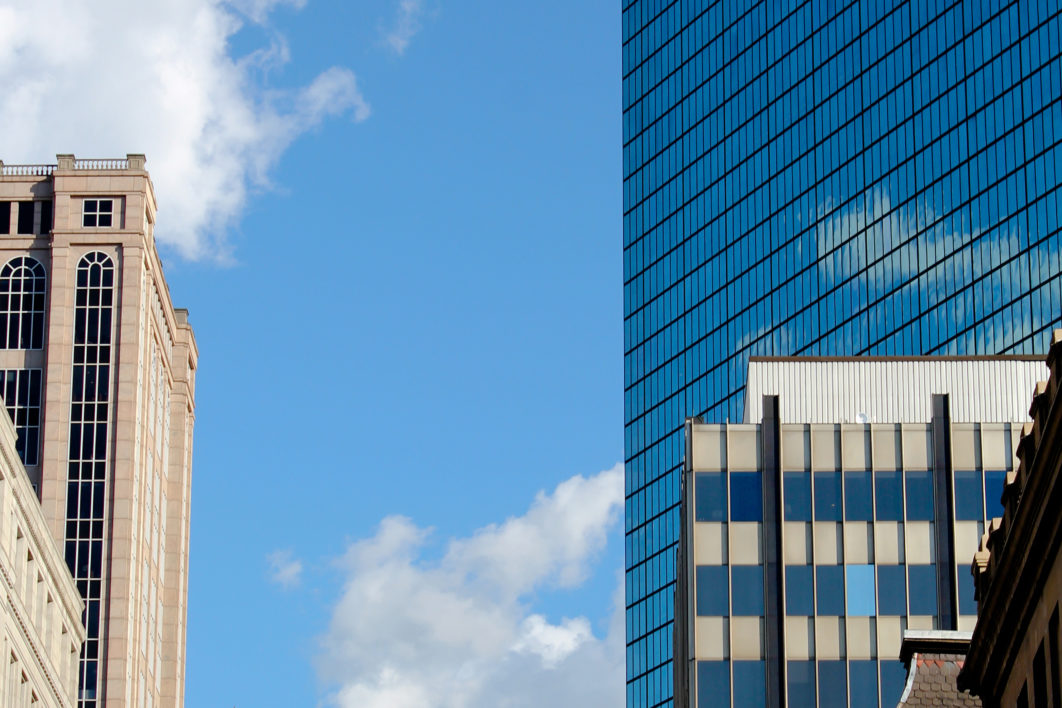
461	632
284	570
406	25
109	77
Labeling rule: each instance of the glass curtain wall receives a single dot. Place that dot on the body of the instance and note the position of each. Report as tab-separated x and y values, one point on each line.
819	178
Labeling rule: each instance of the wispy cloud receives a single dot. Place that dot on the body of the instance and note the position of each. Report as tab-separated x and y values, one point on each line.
406	25
109	77
461	632
284	569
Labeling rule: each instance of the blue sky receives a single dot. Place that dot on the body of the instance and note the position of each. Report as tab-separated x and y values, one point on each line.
396	224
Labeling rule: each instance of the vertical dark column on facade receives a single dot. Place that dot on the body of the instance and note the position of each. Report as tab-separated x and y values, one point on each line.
683	652
774	641
943	505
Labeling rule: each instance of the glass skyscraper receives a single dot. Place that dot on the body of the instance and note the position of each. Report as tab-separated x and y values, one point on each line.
819	178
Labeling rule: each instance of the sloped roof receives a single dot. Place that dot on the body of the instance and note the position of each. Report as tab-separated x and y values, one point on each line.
931	682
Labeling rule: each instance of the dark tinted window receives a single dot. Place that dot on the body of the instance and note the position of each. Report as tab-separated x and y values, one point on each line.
888	491
857	496
864	682
746	496
994	481
967	603
893	679
710	494
748	589
799	590
827	496
830	589
25	217
713	683
5	217
46	217
892	590
797	496
919	495
801	678
968	495
833	685
923	582
750	683
713	593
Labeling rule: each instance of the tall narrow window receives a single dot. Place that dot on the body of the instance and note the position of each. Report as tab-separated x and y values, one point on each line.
86	507
22	291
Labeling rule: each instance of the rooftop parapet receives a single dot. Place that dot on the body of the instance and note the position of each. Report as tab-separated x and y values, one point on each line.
132	161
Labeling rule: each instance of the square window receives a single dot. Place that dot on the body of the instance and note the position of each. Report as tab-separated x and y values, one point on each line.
923	590
857	496
888	488
892	583
860	583
710	491
748	590
97	213
797	490
827	496
968	495
713	591
750	683
830	589
746	496
801	679
799	591
713	683
919	495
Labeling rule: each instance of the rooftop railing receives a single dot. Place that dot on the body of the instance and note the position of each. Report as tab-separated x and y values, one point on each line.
69	162
26	170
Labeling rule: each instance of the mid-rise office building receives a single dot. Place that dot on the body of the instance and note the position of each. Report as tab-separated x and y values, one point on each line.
97	370
845	515
822	179
41	633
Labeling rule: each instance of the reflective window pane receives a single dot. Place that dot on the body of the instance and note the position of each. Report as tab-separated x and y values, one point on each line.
857	496
713	591
801	680
827	496
750	683
968	495
833	685
830	589
994	481
713	683
860	584
748	590
893	679
710	495
967	603
919	495
798	590
892	590
746	496
888	492
923	586
797	496
864	683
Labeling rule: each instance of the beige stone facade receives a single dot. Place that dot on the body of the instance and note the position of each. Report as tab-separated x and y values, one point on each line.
116	412
1014	657
40	610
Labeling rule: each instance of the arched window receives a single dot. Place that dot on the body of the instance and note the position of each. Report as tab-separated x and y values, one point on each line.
87	458
22	290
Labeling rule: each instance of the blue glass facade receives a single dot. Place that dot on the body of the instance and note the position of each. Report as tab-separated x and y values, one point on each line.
819	178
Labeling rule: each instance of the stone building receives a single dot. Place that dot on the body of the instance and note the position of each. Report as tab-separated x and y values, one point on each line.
97	370
1014	657
40	610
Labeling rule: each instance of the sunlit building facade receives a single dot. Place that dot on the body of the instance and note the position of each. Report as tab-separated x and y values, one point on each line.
825	179
97	372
